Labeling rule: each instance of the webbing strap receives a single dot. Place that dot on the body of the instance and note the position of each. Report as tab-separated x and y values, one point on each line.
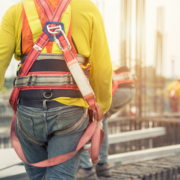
30	80
88	94
48	11
93	131
46	8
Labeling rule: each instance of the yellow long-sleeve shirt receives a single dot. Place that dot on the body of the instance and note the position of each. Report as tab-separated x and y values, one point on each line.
89	35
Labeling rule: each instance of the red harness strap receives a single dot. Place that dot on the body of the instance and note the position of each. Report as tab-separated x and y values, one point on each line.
93	129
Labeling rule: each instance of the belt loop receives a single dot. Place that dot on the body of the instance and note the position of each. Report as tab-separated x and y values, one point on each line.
45	105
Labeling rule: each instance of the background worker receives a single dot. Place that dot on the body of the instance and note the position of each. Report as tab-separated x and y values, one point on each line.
174	95
41	113
123	93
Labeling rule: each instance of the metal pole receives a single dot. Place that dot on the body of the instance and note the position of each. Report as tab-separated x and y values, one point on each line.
122	32
137	75
156	63
130	21
140	55
144	56
162	78
125	32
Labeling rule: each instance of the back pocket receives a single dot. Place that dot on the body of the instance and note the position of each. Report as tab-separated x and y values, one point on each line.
26	123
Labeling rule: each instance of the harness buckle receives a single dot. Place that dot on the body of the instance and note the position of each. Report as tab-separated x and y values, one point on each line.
65	37
48	97
37	48
50	31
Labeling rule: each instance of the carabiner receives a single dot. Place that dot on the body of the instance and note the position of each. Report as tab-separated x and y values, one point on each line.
57	40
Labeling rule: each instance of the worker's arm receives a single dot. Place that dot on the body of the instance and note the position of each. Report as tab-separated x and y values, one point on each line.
7	42
101	66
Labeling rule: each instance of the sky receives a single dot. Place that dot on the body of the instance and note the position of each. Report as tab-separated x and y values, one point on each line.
111	15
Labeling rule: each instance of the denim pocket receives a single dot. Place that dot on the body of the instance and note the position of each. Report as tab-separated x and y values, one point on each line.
26	123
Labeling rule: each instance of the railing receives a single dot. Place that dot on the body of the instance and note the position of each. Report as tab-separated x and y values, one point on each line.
172	136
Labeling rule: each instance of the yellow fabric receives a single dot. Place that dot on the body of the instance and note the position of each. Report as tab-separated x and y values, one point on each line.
33	20
72	101
171	87
89	35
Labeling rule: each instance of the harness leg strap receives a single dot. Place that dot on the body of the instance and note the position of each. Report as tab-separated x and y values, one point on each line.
93	128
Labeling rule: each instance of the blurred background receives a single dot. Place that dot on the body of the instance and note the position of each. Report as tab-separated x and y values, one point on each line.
143	35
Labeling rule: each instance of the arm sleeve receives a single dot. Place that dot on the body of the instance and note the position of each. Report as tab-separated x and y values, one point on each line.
101	66
7	43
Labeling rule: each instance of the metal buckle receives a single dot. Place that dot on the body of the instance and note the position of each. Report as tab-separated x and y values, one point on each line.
47	97
48	30
52	28
59	29
57	40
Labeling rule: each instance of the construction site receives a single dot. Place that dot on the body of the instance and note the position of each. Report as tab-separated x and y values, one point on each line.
144	138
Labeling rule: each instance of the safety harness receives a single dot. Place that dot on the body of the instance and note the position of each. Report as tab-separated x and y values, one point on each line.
121	78
53	30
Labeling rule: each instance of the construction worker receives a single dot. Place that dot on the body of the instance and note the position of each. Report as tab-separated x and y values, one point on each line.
174	95
50	98
123	93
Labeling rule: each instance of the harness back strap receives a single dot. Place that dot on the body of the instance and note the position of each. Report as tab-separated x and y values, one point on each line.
93	129
87	93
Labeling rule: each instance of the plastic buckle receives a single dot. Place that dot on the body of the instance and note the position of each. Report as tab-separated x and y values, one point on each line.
50	33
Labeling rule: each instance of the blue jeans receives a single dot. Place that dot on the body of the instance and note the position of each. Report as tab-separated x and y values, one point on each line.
121	97
39	123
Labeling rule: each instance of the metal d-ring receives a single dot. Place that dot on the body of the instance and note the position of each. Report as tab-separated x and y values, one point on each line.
44	94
